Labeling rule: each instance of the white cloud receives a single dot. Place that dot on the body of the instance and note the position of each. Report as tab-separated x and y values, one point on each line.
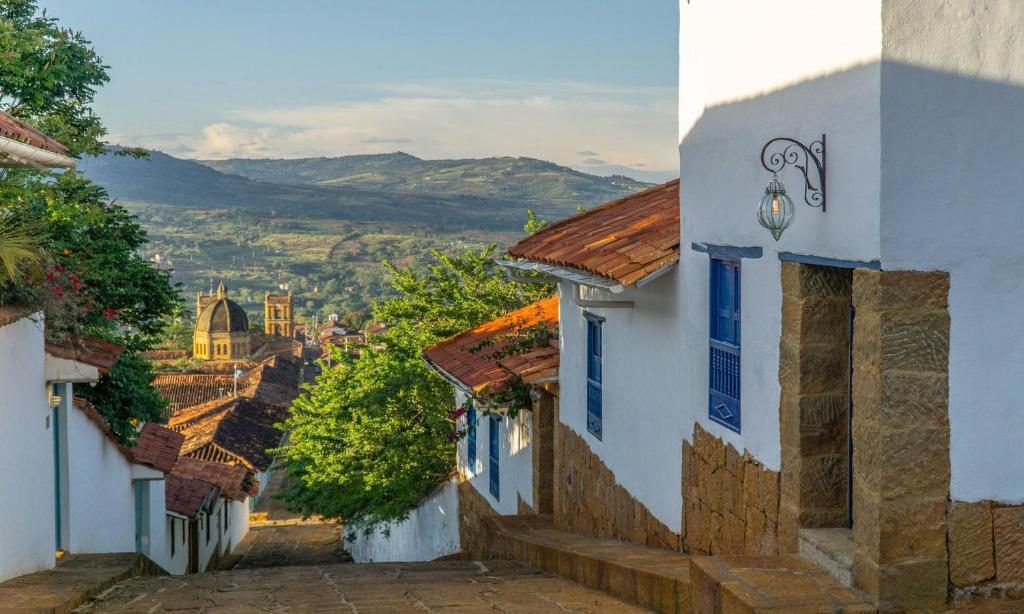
461	119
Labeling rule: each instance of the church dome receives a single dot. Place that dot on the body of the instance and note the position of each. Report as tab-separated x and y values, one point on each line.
222	316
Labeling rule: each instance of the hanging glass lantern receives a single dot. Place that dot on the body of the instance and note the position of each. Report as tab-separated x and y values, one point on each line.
776	209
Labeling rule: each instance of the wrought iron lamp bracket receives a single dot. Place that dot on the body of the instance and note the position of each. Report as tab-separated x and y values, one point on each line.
781	152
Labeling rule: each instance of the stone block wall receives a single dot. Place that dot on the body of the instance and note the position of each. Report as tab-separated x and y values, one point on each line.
543	449
473	509
588	498
814	413
986	547
730	501
901	466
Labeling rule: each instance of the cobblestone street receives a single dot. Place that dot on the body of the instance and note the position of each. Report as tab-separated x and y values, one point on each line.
456	586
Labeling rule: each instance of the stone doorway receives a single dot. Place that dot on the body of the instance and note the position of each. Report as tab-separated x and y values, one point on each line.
894	357
815	412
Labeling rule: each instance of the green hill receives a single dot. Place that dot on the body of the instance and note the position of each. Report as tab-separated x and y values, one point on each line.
527	181
323	226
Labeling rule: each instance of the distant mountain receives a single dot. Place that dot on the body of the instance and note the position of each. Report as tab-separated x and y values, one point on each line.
527	181
481	194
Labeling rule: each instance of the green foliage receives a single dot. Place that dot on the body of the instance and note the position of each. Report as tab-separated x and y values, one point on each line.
533	223
129	384
91	278
372	437
49	75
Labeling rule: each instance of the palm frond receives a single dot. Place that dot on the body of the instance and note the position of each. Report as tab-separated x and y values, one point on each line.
18	243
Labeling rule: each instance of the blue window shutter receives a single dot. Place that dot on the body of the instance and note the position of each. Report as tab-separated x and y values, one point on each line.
724	359
495	478
471	440
594	373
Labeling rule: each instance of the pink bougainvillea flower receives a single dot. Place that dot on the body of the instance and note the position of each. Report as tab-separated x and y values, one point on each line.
57	291
458	413
109	313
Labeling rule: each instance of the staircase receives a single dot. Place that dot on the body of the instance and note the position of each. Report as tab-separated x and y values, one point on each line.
831	550
668	581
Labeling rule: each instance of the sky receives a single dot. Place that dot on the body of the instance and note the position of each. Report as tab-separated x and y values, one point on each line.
590	84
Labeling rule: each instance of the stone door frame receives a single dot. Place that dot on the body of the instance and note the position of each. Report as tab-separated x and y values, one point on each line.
900	422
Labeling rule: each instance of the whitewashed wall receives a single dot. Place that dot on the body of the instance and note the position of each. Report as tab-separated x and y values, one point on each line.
238	523
158	546
101	502
643	421
207	547
27	541
178	563
430	532
952	152
515	460
791	68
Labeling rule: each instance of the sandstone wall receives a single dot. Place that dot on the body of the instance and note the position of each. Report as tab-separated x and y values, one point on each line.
543	449
730	501
901	466
814	412
473	508
588	498
986	546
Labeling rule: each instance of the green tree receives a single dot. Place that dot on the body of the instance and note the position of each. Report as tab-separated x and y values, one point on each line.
372	437
92	279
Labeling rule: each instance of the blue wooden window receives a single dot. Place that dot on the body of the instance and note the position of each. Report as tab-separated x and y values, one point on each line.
595	344
495	479
471	439
724	385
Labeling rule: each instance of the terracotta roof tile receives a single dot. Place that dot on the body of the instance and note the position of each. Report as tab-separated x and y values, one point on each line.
9	314
482	371
242	427
186	389
186	495
235	481
624	240
157	447
15	129
96	352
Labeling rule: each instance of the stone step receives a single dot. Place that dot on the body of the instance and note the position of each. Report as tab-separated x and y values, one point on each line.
651	577
831	550
76	579
776	584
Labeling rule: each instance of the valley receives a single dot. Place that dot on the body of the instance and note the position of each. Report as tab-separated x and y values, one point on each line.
323	227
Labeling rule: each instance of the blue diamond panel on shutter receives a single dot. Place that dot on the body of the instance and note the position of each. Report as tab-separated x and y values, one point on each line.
724	358
495	478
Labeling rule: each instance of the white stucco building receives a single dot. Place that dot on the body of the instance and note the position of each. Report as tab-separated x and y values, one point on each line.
858	362
504	460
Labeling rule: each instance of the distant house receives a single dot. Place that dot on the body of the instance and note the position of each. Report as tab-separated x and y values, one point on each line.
208	504
505	462
236	431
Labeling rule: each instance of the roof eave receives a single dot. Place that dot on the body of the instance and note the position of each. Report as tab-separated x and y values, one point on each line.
448	377
18	154
575	276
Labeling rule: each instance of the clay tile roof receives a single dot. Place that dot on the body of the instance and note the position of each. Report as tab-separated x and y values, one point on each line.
186	495
624	240
240	426
235	481
96	352
9	314
187	389
17	130
482	371
157	447
101	423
